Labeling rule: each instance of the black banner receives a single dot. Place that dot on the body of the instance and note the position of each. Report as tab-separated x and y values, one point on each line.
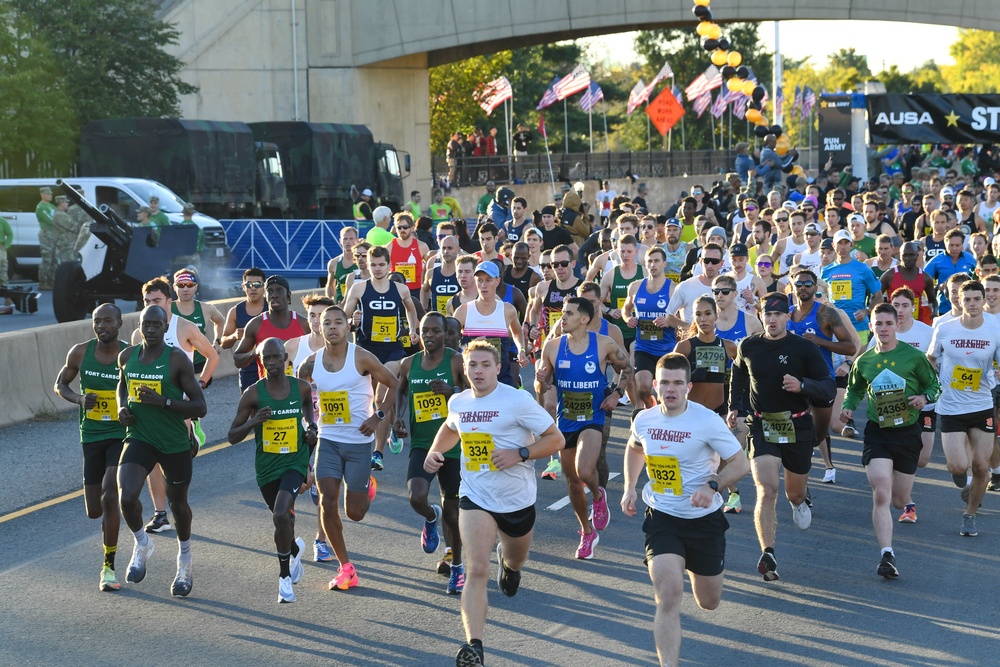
835	129
934	119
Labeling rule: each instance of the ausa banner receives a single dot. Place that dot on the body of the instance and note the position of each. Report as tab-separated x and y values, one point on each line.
934	119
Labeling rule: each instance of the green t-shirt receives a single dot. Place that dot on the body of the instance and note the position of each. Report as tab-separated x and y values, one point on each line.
44	212
969	167
888	380
155	425
101	423
427	409
866	245
439	212
160	219
414	208
483	205
6	234
281	443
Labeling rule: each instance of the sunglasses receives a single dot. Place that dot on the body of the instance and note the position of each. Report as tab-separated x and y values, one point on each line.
561	265
403	227
649	226
765	264
808	210
785	219
545	266
804	283
711	260
254	284
749	208
725	291
185	285
443	236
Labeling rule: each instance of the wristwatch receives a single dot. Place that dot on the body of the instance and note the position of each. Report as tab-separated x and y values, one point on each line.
523	453
713	484
380	415
167	404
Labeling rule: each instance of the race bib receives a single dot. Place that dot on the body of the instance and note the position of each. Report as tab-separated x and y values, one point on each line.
106	405
384	329
621	303
280	436
578	406
289	371
710	359
966	379
427	406
409	271
442	303
134	385
664	473
891	408
649	331
477	448
778	427
554	316
673	277
405	341
842	290
334	407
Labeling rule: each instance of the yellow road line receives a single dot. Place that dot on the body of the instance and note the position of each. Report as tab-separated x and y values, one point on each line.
77	494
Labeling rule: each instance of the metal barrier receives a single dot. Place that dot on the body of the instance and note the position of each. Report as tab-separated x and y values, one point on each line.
292	248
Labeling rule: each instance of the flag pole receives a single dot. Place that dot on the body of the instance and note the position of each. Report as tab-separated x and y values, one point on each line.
730	127
711	117
548	154
670	132
810	140
566	122
649	136
590	115
607	140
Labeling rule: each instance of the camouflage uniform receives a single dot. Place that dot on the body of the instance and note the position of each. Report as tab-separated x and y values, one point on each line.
45	211
65	235
6	240
81	222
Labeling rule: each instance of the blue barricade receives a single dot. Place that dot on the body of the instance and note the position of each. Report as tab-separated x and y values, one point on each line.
292	248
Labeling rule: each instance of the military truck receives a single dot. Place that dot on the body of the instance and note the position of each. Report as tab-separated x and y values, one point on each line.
216	165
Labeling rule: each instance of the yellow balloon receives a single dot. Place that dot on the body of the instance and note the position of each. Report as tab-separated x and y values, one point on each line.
797	170
783	144
734	59
753	115
718	57
762	121
703	28
714	31
734	84
748	87
701	3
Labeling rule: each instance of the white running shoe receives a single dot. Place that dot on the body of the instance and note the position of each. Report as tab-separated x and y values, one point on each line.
830	476
286	594
295	562
801	515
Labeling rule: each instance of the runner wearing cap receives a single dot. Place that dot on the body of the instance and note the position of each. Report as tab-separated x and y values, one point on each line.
749	287
774	378
787	248
810	258
716	235
278	321
853	287
863	246
675	249
954	260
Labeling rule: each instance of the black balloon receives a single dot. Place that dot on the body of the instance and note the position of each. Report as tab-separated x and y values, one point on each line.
775	130
710	44
752	104
700	11
723	43
758	93
706	15
728	72
761	131
743	72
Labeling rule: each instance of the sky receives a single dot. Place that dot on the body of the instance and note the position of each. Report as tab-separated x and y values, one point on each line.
879	40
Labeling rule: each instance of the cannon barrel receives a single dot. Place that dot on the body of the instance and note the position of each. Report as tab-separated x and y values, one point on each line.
80	201
117	220
104	227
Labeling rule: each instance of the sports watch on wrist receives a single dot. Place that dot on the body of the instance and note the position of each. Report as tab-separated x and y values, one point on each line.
380	415
523	453
713	484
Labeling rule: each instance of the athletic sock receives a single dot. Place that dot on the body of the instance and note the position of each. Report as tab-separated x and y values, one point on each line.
888	550
109	555
141	538
968	481
769	550
995	471
283	560
185	551
295	548
478	643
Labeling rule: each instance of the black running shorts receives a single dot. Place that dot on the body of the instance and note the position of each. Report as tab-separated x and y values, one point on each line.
796	457
513	524
902	445
177	467
290	481
700	542
982	420
449	475
98	457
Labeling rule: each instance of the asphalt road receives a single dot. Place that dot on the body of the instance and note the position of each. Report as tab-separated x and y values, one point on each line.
829	608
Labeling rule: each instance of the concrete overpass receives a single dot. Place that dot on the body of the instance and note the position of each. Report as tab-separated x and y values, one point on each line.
366	61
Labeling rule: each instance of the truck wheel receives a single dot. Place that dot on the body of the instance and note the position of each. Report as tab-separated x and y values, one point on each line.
69	300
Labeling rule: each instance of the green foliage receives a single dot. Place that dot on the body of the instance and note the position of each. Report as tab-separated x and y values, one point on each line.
977	62
452	96
37	119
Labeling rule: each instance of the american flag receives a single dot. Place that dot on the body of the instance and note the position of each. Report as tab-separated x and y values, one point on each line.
665	73
702	102
719	105
637	96
797	100
590	98
708	80
494	93
779	102
740	108
678	93
572	83
808	101
549	98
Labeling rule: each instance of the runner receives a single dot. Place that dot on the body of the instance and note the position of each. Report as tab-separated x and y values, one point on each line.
519	274
708	355
964	350
646	310
341	266
101	435
955	260
576	364
675	249
345	375
898	382
688	290
429	378
774	378
441	282
275	413
853	287
615	287
240	315
909	275
406	254
810	258
361	273
495	424
278	321
749	286
153	382
681	443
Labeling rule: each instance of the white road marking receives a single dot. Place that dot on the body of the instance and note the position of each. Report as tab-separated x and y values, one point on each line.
564	501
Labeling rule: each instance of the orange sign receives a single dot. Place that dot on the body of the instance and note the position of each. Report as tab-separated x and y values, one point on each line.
664	111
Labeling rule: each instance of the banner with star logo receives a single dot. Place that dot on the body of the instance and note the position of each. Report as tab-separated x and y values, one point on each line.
934	119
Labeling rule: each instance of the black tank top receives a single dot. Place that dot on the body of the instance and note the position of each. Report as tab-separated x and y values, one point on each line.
381	315
708	360
522	283
553	303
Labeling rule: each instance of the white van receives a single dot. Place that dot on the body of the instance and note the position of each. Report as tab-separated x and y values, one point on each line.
19	197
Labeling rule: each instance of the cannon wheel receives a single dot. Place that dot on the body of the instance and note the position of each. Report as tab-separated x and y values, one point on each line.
69	300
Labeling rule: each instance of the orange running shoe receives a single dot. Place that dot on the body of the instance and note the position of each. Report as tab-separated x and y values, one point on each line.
372	488
346	578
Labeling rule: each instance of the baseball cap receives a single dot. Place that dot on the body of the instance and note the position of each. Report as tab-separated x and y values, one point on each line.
739	250
789	205
277	280
489	268
988	181
673	222
855	217
812	228
717	231
842	235
45	190
188	208
366	192
62	199
775	302
947	191
826	244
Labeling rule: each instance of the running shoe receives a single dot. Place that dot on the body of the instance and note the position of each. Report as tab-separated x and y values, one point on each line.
295	562
801	515
321	552
508	580
968	526
137	566
909	514
372	488
456	581
377	461
830	476
286	594
444	565
994	482
429	537
599	513
849	430
733	504
469	656
887	566
199	434
809	498
395	443
158	523
183	581
587	543
961	480
552	470
109	582
314	494
346	578
768	567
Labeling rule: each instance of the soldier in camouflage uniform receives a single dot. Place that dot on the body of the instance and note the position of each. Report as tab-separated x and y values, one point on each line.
65	232
45	211
6	240
81	222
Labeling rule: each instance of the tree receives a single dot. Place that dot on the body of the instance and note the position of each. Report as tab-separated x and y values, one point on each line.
977	62
37	119
111	55
453	102
845	70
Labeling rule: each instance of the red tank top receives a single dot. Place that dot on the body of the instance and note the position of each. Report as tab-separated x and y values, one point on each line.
268	330
916	285
408	262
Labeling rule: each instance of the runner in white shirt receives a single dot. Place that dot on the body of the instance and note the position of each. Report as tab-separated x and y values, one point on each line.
964	350
497	426
681	443
810	258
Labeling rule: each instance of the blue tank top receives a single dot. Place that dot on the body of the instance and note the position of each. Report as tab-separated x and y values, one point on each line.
604	327
580	384
508	295
739	330
381	318
515	233
810	325
442	288
650	338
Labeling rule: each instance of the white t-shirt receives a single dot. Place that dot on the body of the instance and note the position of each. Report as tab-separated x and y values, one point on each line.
506	418
692	443
965	358
684	296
